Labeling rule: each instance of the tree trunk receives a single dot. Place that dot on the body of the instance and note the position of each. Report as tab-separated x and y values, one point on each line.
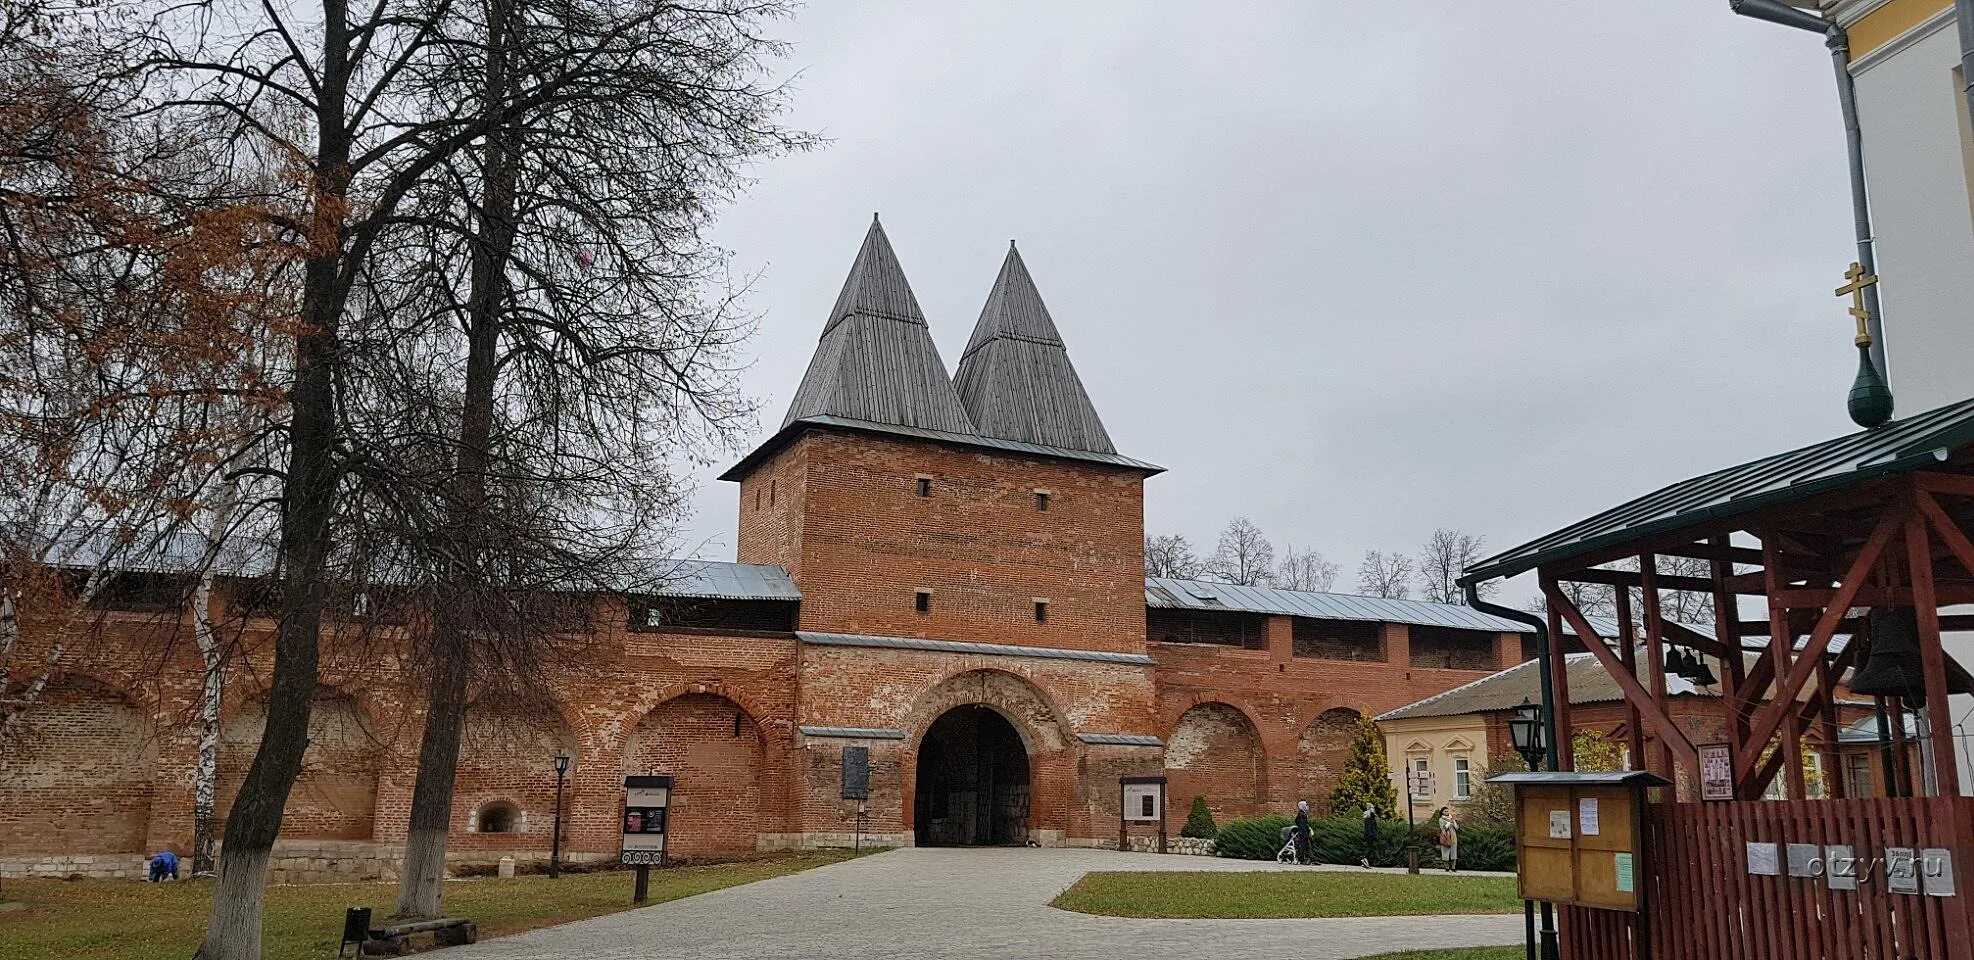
308	502
210	691
212	688
421	885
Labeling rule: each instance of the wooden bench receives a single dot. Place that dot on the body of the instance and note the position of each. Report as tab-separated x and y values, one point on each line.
395	939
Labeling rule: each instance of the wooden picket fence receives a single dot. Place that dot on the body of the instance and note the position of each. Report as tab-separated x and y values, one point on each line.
1704	905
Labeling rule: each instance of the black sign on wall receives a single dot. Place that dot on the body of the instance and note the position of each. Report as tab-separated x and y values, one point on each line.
856	773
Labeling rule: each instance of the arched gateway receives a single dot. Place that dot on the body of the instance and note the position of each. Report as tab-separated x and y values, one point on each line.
973	785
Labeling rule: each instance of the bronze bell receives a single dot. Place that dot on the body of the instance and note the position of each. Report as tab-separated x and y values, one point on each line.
1893	668
1701	674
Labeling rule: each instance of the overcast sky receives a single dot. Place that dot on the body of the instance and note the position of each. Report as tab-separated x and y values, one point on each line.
1353	271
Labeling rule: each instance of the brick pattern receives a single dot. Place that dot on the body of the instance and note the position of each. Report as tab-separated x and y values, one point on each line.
1250	727
867	541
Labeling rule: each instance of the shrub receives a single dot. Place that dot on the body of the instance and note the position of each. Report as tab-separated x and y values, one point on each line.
1200	823
1256	839
1486	848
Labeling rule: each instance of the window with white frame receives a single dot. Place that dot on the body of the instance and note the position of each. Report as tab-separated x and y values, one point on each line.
1461	780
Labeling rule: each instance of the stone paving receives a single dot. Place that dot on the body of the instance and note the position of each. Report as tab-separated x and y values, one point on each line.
980	903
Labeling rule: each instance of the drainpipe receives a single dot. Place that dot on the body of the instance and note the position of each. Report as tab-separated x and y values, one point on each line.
1472	591
1963	12
1547	946
1834	37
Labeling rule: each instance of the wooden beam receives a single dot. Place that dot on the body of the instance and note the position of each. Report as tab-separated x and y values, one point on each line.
1932	657
1655	657
1564	747
1770	718
1948	531
1782	639
1628	655
1955	484
1632	578
1733	666
1668	731
1809	598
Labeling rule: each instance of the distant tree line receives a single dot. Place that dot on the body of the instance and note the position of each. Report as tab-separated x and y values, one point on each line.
1244	555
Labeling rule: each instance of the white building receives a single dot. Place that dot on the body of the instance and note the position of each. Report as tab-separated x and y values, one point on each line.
1919	163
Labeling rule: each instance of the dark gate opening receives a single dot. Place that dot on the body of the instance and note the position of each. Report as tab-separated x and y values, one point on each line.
972	782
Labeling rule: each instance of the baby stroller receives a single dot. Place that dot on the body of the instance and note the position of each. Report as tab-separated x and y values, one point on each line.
1288	852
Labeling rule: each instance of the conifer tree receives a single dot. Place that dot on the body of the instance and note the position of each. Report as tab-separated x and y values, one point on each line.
1366	776
1199	823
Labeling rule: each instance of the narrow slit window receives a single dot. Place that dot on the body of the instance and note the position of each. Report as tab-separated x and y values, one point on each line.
925	486
922	601
1041	501
1041	611
757	498
772	485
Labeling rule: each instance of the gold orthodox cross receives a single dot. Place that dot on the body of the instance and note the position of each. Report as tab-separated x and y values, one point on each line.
1859	280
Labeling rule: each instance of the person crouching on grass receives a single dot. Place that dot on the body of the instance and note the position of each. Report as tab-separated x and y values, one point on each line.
1449	839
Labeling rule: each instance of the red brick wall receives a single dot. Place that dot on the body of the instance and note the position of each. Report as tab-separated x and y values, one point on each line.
335	798
78	778
1214	751
713	748
866	542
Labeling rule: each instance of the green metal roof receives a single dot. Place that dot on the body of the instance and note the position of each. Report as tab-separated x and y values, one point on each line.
1913	443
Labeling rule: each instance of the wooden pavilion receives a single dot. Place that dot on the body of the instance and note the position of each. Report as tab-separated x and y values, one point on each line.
1816	557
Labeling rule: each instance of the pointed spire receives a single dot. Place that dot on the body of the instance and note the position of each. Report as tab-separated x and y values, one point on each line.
1015	377
876	361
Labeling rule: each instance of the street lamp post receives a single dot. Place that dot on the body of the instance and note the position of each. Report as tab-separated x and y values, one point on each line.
1525	731
555	842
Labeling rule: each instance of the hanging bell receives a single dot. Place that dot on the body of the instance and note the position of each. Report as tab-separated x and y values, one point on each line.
1676	662
1701	675
1893	668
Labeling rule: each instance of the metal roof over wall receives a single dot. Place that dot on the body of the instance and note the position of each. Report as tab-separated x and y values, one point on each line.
1171	594
1913	443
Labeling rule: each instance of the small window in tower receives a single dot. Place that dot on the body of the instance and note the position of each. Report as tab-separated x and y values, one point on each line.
738	720
922	601
757	498
924	485
1041	501
1041	610
772	485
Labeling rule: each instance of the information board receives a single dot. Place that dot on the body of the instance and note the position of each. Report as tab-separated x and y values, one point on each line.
1716	771
1579	844
647	800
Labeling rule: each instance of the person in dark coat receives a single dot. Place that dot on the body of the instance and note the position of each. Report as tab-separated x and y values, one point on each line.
1303	850
1370	830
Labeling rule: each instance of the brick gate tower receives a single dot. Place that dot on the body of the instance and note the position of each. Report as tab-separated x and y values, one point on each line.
971	562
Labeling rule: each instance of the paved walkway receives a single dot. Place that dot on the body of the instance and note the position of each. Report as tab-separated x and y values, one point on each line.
944	903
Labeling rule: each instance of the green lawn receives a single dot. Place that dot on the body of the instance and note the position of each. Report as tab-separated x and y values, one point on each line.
128	920
1461	953
1222	895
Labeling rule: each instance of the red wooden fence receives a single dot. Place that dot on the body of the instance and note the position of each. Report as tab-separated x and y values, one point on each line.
1704	905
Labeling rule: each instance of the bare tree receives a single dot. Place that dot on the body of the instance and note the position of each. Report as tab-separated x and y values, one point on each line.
1170	555
1243	556
1386	575
1305	570
578	227
136	290
1445	556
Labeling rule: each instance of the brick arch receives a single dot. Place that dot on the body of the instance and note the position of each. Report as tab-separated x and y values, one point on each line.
507	755
615	732
1027	706
1036	720
335	797
1321	752
715	748
76	773
1214	750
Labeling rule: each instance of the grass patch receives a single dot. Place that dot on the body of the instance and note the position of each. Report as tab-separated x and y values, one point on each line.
128	920
1457	953
1283	893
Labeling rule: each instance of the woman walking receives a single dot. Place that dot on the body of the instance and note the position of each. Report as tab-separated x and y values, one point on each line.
1449	840
1370	831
